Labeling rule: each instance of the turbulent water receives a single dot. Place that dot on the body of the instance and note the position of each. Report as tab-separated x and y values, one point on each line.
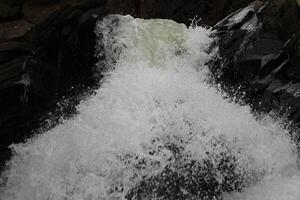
155	129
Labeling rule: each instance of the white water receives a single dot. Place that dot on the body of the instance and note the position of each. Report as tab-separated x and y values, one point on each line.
153	95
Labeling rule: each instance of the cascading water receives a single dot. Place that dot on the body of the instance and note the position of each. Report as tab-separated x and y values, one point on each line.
156	129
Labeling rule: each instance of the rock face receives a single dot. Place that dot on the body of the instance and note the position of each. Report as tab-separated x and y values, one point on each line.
178	10
260	49
46	52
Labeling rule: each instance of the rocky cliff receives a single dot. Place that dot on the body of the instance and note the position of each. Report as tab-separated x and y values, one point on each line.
259	49
46	54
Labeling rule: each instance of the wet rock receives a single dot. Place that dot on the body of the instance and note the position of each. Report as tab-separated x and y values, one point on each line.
45	56
260	53
186	178
14	30
190	180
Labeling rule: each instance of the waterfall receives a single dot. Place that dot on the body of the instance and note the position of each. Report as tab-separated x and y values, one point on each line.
155	129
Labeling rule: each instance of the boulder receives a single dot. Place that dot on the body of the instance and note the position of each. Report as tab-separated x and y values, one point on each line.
259	49
44	57
190	179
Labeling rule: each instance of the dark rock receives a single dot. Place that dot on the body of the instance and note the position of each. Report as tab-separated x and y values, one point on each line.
14	30
12	49
260	53
178	10
12	72
10	10
186	178
35	11
190	180
43	61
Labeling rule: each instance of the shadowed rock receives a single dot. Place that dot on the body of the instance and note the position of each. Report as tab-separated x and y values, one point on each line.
45	56
187	178
260	54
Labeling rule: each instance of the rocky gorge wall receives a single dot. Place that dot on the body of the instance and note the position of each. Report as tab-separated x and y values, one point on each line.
46	55
260	55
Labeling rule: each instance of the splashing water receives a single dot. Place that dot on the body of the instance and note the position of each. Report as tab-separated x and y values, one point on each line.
155	130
